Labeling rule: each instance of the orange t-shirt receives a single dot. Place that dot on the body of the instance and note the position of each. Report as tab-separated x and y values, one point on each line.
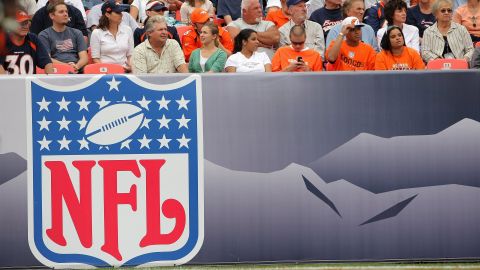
191	41
409	59
361	57
286	54
277	17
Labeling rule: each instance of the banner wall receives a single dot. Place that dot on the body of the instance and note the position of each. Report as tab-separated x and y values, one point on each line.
304	167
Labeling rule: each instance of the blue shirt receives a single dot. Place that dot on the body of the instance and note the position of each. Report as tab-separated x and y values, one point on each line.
327	18
422	21
368	36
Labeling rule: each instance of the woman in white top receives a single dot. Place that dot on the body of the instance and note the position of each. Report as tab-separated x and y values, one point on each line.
189	5
245	57
112	42
396	14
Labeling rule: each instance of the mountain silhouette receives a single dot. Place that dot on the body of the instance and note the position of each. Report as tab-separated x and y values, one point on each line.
384	164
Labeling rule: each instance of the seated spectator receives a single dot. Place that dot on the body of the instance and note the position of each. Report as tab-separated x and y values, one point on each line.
153	8
354	8
246	58
138	10
396	14
313	5
41	20
421	16
273	5
297	57
191	37
209	58
24	52
279	16
230	10
95	13
158	53
78	4
350	54
475	59
328	16
446	39
189	5
375	15
468	15
112	42
64	44
267	33
314	32
395	55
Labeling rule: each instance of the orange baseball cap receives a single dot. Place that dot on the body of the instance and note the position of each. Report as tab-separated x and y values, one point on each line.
21	16
199	15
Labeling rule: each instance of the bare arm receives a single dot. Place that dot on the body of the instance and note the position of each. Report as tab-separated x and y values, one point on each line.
2	71
234	69
82	60
134	11
337	44
233	31
96	60
183	68
271	37
49	68
228	19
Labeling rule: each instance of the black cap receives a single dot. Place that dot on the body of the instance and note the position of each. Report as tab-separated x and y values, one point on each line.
112	6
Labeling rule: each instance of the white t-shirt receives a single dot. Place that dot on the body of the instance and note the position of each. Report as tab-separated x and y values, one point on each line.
256	63
142	13
76	3
109	49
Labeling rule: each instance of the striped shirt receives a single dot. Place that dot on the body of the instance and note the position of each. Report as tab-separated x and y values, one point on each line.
458	39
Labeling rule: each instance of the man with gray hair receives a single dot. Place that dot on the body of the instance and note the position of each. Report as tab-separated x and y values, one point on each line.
158	53
267	33
298	16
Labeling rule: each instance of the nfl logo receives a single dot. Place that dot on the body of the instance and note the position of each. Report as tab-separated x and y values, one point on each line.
115	172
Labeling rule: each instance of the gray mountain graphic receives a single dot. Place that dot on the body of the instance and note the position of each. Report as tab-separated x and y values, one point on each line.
384	164
11	165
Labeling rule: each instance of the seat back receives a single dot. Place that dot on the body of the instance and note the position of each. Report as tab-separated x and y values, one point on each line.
447	64
58	69
103	68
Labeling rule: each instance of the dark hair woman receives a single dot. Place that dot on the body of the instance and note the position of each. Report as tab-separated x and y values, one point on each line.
395	55
245	57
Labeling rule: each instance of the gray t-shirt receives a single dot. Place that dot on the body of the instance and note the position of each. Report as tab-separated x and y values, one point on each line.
262	26
63	46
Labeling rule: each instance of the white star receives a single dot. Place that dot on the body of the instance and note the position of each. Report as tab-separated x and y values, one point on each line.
144	103
126	144
163	103
183	141
183	122
82	123
144	142
63	123
43	104
164	121
113	84
83	144
44	144
164	142
44	124
102	103
124	99
83	104
103	147
182	103
63	104
64	143
145	123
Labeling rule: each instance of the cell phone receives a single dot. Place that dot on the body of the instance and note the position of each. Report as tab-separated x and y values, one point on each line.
299	59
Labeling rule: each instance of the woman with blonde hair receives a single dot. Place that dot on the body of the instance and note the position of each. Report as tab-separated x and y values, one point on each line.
208	58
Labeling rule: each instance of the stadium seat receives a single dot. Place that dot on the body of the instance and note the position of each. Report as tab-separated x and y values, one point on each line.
89	53
181	30
59	69
447	64
477	44
103	68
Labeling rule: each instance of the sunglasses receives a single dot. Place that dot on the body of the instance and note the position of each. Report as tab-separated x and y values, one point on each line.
298	43
25	23
446	10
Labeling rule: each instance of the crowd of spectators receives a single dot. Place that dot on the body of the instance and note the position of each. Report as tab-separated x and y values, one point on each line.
167	36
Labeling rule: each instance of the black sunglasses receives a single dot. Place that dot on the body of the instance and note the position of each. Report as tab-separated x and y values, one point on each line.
446	10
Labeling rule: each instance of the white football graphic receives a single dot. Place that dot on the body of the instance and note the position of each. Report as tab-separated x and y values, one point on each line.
114	124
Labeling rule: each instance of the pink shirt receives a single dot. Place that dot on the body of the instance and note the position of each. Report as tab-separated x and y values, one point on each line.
464	17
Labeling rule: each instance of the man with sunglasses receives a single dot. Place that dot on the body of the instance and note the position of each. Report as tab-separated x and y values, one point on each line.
25	52
297	57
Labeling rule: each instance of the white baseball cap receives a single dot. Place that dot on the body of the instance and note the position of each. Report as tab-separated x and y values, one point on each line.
352	21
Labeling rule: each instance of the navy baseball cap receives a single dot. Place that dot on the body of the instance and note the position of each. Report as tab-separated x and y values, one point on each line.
112	6
293	2
156	6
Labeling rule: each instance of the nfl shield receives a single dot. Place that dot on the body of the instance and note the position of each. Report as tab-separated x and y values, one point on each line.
115	172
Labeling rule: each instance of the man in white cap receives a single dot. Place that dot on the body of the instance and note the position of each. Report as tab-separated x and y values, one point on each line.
350	54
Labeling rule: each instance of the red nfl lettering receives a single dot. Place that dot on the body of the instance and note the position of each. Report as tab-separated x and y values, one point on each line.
80	207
